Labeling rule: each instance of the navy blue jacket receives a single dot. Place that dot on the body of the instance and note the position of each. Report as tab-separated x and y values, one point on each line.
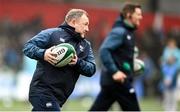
117	50
53	81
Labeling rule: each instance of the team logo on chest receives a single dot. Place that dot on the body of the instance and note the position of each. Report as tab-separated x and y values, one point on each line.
128	37
81	48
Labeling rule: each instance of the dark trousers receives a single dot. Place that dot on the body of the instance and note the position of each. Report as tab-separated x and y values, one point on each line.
125	97
44	103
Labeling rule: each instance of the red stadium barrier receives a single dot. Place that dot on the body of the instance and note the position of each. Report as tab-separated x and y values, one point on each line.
53	14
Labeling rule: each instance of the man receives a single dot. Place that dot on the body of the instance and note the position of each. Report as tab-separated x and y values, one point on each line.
51	86
170	70
116	54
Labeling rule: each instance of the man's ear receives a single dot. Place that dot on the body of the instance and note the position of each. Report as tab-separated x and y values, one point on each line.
73	21
128	16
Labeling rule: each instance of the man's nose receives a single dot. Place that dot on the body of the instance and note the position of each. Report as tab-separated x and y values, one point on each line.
87	29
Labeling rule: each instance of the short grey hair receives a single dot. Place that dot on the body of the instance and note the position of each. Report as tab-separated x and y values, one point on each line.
74	14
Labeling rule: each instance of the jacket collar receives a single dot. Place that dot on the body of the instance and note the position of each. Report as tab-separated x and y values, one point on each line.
71	30
122	22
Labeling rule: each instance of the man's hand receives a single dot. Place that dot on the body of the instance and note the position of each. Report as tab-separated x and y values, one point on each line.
74	60
49	56
119	76
167	82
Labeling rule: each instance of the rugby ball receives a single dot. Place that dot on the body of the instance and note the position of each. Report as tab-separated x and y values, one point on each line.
138	66
64	54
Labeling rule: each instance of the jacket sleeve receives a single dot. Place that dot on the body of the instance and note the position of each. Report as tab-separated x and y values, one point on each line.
111	43
87	66
36	46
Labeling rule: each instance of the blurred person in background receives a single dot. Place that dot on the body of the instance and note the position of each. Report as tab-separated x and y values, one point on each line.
117	54
51	86
170	67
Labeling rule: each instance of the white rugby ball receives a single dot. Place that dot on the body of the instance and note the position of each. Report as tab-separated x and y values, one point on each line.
64	54
138	66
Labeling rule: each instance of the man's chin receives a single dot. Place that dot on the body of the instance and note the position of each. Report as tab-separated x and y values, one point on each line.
83	36
137	25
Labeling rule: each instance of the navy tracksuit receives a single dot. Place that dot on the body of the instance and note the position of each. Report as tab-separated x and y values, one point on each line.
51	86
116	53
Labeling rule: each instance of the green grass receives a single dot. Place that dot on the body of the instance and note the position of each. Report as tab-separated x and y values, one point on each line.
151	104
15	106
147	104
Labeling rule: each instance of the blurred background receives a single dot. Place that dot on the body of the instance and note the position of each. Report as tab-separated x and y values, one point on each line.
20	20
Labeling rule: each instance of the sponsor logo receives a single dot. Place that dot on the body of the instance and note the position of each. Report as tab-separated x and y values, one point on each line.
48	104
128	37
131	90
